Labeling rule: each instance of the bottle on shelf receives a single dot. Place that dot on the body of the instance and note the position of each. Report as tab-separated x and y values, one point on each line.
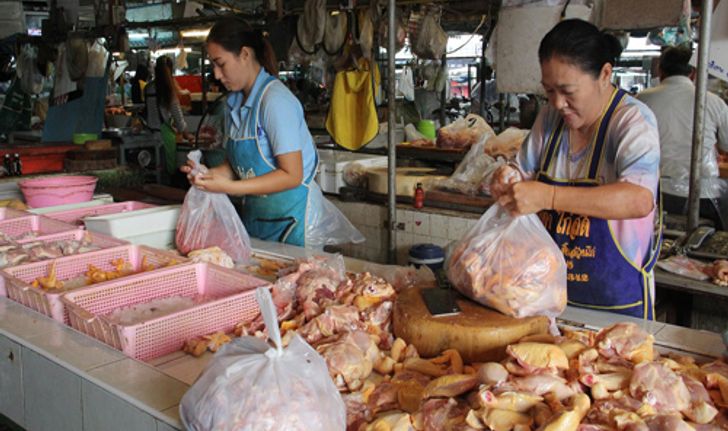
17	165
419	200
8	165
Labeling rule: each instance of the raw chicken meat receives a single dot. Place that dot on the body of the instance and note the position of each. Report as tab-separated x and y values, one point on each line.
350	359
718	271
214	255
443	414
658	386
539	384
334	320
701	408
627	341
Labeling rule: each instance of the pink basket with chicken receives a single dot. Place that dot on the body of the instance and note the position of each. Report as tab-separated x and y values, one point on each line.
52	247
75	216
30	227
39	285
151	315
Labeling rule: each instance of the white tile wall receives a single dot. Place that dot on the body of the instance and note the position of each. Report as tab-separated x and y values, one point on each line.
11	381
60	402
419	227
103	411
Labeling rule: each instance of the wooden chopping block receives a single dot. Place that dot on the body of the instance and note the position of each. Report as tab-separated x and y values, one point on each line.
101	144
478	333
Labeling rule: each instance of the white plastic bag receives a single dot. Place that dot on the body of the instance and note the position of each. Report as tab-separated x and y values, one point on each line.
510	264
251	386
325	224
31	80
406	84
209	219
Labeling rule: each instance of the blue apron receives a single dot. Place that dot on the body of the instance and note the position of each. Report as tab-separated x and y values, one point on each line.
278	216
599	275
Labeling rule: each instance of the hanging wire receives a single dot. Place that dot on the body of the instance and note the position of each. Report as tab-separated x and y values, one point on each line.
472	35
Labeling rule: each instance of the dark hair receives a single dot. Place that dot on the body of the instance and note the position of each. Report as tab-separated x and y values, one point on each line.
675	60
234	33
580	43
164	82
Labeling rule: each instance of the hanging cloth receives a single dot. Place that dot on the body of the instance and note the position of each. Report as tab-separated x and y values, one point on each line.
352	121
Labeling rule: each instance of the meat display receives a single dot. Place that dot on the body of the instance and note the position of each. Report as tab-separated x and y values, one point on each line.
578	381
13	254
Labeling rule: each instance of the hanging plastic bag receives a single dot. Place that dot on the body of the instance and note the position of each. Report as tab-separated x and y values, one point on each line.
76	57
507	144
325	224
31	80
406	84
510	264
250	385
97	56
431	40
180	61
209	219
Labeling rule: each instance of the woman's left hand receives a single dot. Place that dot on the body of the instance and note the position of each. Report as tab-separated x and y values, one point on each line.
526	197
215	183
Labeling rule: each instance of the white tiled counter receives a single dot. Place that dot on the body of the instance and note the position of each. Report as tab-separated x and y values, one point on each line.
54	378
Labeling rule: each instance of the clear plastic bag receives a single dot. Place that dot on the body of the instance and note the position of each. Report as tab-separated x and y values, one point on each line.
510	264
209	219
506	144
475	169
31	80
683	265
251	386
431	40
325	224
401	277
464	132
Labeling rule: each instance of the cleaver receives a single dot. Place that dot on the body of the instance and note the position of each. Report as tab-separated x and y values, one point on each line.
440	300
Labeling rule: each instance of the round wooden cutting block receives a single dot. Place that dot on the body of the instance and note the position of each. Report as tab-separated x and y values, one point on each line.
478	333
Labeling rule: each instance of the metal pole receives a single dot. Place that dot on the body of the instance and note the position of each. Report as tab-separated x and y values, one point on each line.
392	120
443	93
701	86
203	52
482	76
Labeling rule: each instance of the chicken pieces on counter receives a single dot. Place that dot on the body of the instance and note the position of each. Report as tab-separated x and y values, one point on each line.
580	381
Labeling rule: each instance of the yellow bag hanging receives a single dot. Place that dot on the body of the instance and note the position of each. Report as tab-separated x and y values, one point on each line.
352	121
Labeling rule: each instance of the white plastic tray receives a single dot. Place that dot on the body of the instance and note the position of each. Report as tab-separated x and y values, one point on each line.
154	227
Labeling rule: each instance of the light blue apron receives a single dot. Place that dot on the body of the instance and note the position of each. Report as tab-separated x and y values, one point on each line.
278	216
599	275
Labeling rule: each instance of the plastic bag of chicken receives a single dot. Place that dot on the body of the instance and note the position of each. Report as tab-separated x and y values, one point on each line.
510	264
251	385
209	219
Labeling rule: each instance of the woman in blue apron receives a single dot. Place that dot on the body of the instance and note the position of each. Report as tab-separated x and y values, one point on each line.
591	169
271	158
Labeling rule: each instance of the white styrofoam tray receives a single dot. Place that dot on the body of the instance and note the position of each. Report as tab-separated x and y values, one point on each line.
154	227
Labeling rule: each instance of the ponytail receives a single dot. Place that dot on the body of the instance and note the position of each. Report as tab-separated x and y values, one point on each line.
233	34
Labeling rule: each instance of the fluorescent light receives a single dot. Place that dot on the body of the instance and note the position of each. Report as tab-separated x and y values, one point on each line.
174	51
138	36
196	33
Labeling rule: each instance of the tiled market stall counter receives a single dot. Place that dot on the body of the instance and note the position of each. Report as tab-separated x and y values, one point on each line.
54	378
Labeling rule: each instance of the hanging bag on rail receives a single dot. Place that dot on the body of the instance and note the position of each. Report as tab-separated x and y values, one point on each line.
251	385
209	219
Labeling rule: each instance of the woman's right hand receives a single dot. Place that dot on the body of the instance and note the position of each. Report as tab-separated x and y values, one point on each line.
188	168
502	179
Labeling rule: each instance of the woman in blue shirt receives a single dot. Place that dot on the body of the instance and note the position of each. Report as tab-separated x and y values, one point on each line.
271	157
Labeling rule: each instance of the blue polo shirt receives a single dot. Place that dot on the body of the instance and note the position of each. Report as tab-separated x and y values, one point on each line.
282	126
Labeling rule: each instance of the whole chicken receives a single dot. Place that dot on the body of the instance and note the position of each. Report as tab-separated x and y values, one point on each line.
350	359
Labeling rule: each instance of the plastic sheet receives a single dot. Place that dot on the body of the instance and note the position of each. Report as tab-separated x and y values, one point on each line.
250	385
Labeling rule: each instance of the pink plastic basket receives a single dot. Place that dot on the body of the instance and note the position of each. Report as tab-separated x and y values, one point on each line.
75	216
45	192
9	213
96	240
235	302
19	279
17	227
